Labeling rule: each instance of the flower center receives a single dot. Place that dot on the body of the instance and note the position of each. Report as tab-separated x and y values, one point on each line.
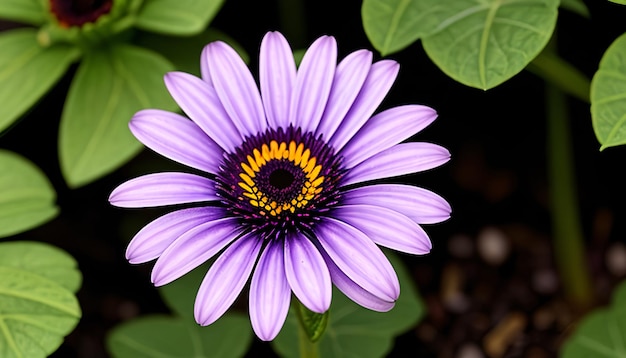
78	12
280	179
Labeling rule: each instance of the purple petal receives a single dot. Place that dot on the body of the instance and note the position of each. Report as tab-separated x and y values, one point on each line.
386	227
307	273
313	84
421	205
205	72
176	138
376	86
162	189
150	242
200	102
359	258
277	74
193	248
236	88
349	78
269	293
353	291
225	279
401	159
385	130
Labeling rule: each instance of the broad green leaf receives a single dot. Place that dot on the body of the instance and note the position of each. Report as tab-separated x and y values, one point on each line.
184	52
28	71
608	96
177	17
392	25
110	86
622	2
354	331
483	43
37	308
173	337
576	6
314	323
31	12
26	197
602	333
44	260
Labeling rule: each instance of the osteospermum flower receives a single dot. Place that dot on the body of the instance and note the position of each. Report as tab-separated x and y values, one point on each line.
289	191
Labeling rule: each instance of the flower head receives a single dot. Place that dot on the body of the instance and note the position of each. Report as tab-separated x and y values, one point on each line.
289	193
79	12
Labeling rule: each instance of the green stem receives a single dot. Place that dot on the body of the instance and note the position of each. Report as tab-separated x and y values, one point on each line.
568	237
552	68
308	349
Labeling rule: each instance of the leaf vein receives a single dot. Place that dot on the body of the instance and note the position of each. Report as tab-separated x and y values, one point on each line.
9	338
395	22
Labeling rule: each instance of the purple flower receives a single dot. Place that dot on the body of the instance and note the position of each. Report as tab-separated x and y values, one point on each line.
289	181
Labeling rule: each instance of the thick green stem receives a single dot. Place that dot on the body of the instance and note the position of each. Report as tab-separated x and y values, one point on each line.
555	70
567	232
308	349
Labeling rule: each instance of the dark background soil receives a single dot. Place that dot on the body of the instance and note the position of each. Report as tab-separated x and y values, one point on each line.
490	284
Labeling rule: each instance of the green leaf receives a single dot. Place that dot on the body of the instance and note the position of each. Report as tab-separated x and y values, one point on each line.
608	96
28	71
110	86
177	17
44	260
28	11
26	197
354	331
621	2
576	6
184	52
602	333
313	323
484	43
392	25
37	306
161	336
